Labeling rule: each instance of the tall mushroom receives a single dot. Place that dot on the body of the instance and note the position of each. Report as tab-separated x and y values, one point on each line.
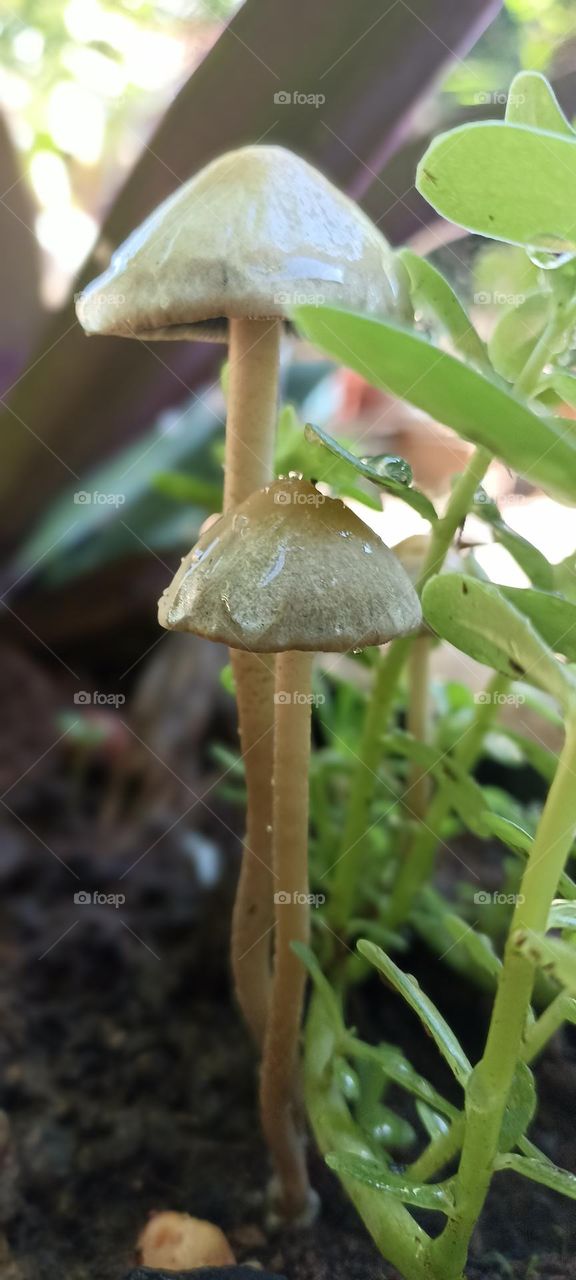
290	572
224	259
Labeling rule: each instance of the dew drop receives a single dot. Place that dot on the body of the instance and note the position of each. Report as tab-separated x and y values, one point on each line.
390	467
553	255
240	524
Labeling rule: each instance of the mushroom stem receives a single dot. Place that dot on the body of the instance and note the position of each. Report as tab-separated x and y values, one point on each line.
253	916
254	354
253	364
279	1081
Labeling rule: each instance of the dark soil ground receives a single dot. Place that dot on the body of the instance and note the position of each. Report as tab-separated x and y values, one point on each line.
129	1082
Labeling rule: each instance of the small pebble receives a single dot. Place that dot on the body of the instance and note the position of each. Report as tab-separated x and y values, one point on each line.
179	1243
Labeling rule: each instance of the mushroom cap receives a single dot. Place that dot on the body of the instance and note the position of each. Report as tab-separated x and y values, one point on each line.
256	232
412	552
291	569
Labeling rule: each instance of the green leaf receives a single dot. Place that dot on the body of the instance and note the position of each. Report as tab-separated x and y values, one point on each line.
541	759
434	1124
186	488
553	617
478	619
396	1068
473	404
387	472
323	988
432	294
463	793
565	384
542	1171
532	101
478	945
520	841
520	1103
516	333
553	956
482	176
520	1107
565	576
295	453
423	1007
562	914
533	563
438	1196
513	836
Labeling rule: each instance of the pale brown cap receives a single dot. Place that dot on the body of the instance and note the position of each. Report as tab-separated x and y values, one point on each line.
412	553
291	569
255	233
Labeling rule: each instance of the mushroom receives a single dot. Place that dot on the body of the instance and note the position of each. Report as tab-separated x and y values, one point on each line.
290	572
224	259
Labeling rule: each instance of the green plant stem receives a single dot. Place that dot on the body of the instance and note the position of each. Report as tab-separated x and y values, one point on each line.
549	1022
559	321
391	1226
438	1153
388	673
492	1079
419	722
418	864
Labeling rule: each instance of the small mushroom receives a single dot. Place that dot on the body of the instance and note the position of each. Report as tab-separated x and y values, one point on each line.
291	572
224	259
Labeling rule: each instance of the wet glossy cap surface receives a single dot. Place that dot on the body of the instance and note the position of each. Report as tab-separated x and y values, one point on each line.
291	569
255	233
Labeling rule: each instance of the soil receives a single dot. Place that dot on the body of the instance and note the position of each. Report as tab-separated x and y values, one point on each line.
129	1081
